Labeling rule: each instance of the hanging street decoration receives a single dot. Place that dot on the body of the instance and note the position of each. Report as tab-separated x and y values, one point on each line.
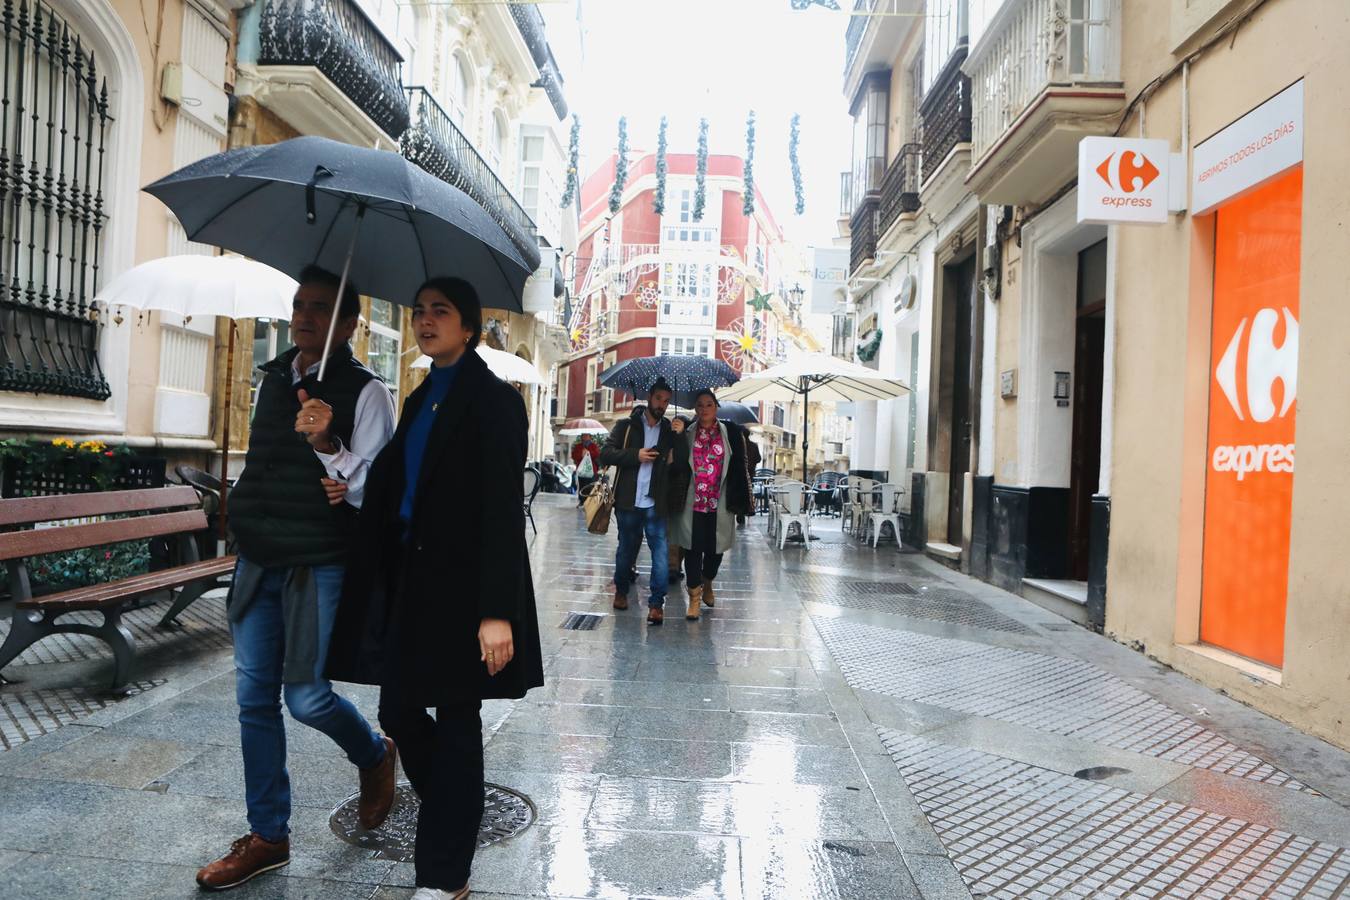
648	295
620	168
743	344
760	302
794	140
807	4
748	207
701	176
573	158
659	200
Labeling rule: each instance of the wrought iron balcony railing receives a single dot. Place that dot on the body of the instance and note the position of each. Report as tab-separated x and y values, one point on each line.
530	22
900	187
857	26
339	40
863	232
52	168
433	142
945	113
1039	43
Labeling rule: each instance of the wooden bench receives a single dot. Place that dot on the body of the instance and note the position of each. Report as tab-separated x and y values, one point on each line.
151	513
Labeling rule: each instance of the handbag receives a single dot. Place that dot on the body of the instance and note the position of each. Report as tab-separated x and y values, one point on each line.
599	503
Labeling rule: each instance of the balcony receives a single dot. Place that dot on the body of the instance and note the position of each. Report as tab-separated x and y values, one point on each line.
876	29
434	143
530	23
1042	78
325	68
600	401
900	187
863	233
945	113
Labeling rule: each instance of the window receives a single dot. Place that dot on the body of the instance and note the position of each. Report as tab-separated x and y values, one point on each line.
531	166
686	346
386	341
688	231
270	337
870	111
461	84
54	225
688	292
944	32
497	141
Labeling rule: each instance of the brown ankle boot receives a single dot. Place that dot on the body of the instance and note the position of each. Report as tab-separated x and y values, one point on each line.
695	598
249	856
620	599
655	615
709	600
377	789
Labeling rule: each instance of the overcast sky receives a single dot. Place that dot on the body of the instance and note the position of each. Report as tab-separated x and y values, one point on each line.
718	59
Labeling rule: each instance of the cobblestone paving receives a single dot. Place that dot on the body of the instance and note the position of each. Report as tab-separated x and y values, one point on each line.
1017	831
1047	693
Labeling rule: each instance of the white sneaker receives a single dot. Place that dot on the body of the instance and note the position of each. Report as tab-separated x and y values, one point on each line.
437	894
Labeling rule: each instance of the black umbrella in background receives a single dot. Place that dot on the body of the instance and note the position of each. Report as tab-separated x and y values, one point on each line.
379	220
739	413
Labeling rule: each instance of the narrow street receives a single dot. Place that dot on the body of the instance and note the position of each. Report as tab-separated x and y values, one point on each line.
846	722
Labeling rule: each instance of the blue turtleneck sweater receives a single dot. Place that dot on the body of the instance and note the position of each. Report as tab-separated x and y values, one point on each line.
439	381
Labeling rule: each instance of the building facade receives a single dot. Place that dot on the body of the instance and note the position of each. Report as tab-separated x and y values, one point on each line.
674	283
95	110
1104	414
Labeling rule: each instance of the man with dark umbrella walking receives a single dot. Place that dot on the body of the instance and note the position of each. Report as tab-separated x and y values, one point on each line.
292	514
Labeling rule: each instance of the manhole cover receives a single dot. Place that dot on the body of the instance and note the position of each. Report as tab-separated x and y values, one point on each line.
506	814
882	587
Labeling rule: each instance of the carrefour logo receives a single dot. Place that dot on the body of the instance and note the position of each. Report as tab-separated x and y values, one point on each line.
1133	171
1253	398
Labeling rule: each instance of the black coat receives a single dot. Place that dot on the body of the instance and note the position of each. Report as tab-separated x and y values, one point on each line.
411	608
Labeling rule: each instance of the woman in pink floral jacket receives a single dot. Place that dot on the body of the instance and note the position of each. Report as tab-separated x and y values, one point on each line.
709	488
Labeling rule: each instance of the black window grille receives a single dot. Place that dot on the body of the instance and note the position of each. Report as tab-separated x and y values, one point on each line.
53	125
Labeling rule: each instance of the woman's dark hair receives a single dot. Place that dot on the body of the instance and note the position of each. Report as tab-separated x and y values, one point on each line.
707	393
462	297
349	304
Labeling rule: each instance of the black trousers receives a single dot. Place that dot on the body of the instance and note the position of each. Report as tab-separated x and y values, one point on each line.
702	560
444	761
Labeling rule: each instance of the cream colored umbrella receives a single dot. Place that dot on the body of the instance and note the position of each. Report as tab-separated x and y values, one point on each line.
506	366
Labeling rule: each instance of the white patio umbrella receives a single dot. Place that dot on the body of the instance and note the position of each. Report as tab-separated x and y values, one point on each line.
814	375
506	366
190	285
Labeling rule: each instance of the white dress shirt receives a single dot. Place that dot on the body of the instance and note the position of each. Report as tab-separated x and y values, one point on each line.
373	426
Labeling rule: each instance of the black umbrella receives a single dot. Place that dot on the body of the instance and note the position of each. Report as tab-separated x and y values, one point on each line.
382	222
686	375
739	413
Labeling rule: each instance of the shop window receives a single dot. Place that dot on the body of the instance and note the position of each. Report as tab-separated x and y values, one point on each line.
386	341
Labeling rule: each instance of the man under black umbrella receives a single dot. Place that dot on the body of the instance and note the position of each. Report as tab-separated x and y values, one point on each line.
292	514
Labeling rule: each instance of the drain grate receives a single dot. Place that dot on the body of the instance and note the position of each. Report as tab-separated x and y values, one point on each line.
26	713
577	621
881	587
506	813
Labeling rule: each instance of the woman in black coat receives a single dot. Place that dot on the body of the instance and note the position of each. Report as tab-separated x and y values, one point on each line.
438	603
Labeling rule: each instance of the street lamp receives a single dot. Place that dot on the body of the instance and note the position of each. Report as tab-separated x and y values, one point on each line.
795	295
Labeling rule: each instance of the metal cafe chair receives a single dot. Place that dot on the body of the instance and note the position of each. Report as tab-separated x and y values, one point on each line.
886	511
532	482
794	499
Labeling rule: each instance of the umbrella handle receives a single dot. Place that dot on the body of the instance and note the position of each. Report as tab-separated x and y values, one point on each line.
342	287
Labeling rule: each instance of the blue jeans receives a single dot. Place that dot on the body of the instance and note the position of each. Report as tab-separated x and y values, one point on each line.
259	652
633	524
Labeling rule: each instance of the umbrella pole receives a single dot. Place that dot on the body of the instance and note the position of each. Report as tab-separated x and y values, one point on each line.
806	424
225	444
342	287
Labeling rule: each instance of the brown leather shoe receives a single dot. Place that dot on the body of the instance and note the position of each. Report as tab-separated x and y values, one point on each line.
248	857
377	789
655	615
620	599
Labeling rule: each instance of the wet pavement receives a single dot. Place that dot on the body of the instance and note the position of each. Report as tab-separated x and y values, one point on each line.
847	722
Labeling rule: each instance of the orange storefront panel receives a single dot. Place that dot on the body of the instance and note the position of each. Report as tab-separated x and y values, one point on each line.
1254	374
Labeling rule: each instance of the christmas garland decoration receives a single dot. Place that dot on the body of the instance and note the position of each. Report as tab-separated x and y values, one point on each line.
620	168
748	207
659	201
701	177
868	351
793	140
573	154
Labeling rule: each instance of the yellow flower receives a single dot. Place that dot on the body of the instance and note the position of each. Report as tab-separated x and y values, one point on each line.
65	443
